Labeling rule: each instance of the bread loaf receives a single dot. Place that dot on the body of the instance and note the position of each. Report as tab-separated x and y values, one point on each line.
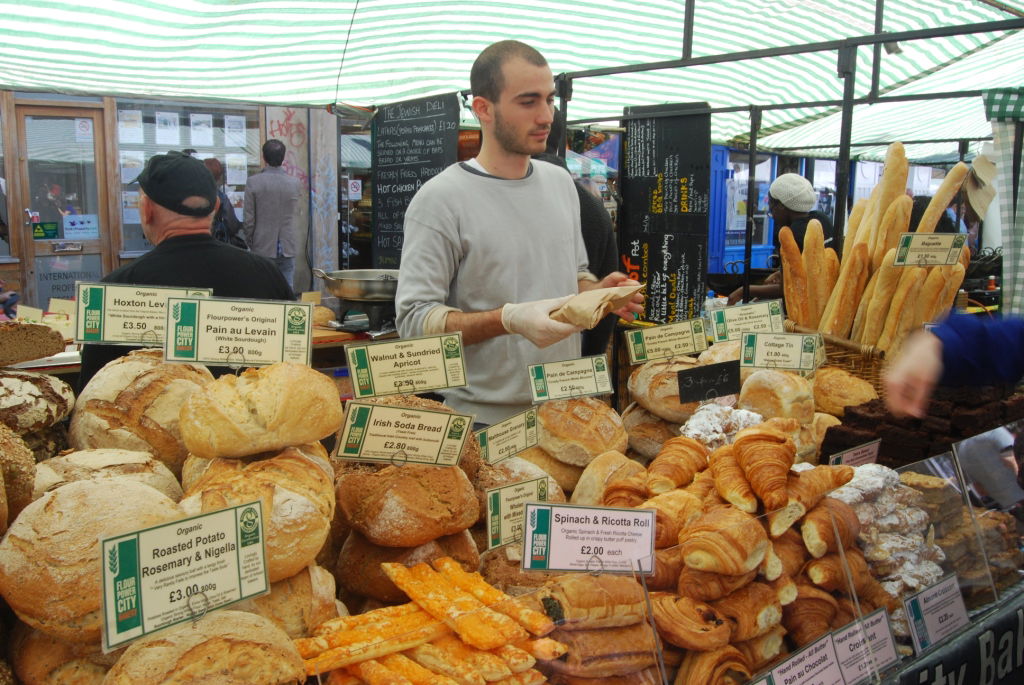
895	221
566	475
507	472
226	647
605	468
841	309
655	385
103	464
607	652
22	342
813	256
902	307
853	225
50	557
48	442
585	602
262	410
501	568
17	475
647	432
948	189
881	297
576	430
322	315
771	393
32	401
41	659
836	389
133	403
298	604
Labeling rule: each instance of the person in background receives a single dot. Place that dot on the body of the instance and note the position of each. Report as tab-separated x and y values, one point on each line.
226	226
493	245
270	211
177	202
943	225
8	300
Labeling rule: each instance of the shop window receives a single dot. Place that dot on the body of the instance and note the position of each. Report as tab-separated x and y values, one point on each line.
5	206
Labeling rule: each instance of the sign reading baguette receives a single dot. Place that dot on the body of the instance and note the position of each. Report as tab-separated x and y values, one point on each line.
379	433
573	378
565	537
124	314
668	340
855	456
407	366
509	437
178	571
866	647
228	331
815	664
929	249
506	509
789	351
935	613
759	317
709	381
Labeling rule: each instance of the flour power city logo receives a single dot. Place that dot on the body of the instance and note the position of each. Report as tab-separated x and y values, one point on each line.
92	300
122	560
184	315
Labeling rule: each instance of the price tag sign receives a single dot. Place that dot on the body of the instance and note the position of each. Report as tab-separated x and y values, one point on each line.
815	664
243	332
669	340
509	437
573	378
178	571
374	432
407	366
929	249
791	351
506	509
565	537
866	647
124	314
935	613
708	382
855	456
758	317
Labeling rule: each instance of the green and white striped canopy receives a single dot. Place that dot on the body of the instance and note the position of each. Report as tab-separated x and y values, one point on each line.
370	52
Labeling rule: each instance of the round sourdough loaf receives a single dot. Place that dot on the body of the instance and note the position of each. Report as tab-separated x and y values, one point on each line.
509	471
408	505
647	432
359	572
17	475
41	659
298	604
566	475
836	389
605	468
655	386
50	557
225	647
262	410
32	401
575	431
102	464
298	502
772	393
133	403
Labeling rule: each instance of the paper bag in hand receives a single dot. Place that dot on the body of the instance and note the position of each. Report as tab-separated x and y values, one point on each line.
588	308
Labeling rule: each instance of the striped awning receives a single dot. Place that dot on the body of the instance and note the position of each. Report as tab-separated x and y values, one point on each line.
370	52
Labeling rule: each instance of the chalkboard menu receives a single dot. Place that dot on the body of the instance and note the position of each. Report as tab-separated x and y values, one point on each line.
666	183
413	141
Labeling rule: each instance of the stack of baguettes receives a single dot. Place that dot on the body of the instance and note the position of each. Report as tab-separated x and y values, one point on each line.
863	297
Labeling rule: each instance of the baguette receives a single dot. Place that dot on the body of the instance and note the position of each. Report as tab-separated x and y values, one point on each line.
942	197
831	273
952	287
814	270
931	296
903	297
853	225
862	308
892	186
888	280
895	221
794	278
842	305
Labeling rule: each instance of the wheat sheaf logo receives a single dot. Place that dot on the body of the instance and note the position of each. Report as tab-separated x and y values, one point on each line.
112	560
533	518
86	292
176	311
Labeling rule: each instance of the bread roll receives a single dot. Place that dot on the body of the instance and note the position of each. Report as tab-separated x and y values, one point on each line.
133	403
22	342
655	385
298	503
31	401
41	659
576	430
409	505
226	647
836	389
584	602
566	475
322	315
605	468
647	432
103	464
501	568
508	471
298	604
771	393
17	475
50	557
262	410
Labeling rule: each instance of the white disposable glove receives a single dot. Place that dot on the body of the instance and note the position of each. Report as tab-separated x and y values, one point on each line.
532	321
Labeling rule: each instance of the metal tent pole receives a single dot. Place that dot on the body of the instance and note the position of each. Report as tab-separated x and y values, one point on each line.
748	239
847	69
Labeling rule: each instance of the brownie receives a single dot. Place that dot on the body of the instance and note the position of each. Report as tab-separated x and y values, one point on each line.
847	436
1013	408
903	437
936	425
940	446
971	421
865	416
942	408
890	454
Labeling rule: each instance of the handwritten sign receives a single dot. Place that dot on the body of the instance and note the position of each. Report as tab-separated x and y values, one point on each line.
573	378
506	509
929	249
565	537
378	433
707	382
407	366
669	340
935	613
509	437
124	314
758	317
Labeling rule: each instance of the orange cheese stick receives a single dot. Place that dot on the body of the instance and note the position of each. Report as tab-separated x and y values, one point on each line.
403	665
376	673
534	621
370	617
531	677
384	629
543	649
518	660
436	659
341	677
373	648
491	667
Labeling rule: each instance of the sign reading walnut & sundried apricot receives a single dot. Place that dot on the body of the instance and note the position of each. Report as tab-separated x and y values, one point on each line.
407	366
376	432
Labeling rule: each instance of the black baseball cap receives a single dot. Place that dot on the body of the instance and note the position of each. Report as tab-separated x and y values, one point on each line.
170	179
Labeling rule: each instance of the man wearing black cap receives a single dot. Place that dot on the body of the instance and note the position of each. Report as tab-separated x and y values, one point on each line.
177	202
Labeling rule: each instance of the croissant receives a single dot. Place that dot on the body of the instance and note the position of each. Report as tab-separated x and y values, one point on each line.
789	548
707	586
626	493
723	666
679	460
689	624
702	484
808	487
771	567
809	616
674	510
829	574
781	520
761	650
730	481
846	613
765	455
668	564
714	501
874	594
819	533
785	589
724	540
753	610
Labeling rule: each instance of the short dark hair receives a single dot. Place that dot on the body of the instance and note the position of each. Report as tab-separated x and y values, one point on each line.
215	167
485	78
273	152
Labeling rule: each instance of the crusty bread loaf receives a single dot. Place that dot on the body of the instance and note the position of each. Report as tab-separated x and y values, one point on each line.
298	604
298	502
566	475
508	471
102	464
31	402
501	568
605	468
771	392
836	389
262	410
17	474
576	430
50	557
359	571
322	315
226	647
655	385
133	403
647	432
22	342
813	256
47	443
725	351
41	659
408	505
794	279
